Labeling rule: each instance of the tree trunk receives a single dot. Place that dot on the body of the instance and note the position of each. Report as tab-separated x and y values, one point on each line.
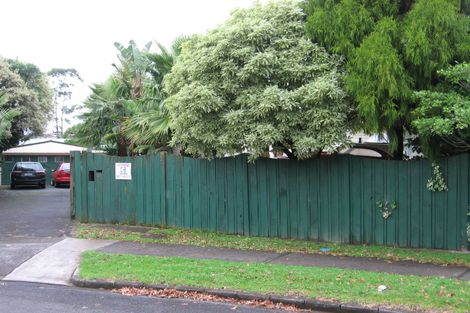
398	153
405	6
289	154
122	146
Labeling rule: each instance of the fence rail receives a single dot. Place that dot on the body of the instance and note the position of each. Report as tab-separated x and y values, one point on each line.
331	199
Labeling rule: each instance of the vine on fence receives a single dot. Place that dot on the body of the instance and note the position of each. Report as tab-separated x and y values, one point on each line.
386	208
437	182
468	228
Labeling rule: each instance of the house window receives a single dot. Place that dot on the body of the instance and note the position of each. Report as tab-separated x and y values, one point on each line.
25	158
8	158
59	159
42	159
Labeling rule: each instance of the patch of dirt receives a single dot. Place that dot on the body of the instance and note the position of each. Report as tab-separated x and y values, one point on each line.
154	236
171	293
134	229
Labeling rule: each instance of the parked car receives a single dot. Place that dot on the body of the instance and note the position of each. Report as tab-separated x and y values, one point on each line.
28	174
61	176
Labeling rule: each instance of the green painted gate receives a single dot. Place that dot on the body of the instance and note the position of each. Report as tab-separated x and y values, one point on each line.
330	199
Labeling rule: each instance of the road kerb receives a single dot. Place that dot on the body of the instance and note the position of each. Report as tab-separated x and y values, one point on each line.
303	303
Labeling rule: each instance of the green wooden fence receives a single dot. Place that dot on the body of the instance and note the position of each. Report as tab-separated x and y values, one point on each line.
329	199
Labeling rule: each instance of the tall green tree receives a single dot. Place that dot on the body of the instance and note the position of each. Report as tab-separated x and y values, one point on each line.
32	114
101	122
391	49
63	80
6	117
442	118
257	82
34	80
149	129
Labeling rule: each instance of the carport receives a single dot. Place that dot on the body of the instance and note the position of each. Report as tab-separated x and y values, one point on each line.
50	153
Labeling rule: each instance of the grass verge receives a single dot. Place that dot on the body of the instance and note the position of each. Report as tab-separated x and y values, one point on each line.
213	239
408	292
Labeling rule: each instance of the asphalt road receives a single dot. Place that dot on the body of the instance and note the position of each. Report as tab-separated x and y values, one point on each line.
31	212
40	298
30	220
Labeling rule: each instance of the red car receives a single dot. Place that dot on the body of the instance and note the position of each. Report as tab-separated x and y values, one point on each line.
61	176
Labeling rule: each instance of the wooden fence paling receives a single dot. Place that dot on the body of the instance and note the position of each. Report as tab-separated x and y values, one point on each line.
330	199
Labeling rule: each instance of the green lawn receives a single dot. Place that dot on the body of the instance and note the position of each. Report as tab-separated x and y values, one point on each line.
213	239
408	292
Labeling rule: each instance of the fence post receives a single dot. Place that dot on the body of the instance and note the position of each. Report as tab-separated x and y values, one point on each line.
84	186
73	155
163	169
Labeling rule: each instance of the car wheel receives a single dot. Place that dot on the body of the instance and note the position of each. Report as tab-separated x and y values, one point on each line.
12	186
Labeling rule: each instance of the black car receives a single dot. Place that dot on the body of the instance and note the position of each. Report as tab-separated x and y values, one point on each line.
28	174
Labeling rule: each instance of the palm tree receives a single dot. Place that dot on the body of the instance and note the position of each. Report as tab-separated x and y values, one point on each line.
126	115
102	123
150	128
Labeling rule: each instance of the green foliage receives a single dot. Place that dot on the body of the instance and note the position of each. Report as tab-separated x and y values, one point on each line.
442	118
340	27
6	117
30	108
113	102
382	8
468	228
437	182
434	35
255	82
126	115
391	49
102	122
464	6
63	80
34	80
468	232
149	128
386	208
379	82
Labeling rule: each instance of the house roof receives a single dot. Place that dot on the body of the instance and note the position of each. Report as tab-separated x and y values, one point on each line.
46	147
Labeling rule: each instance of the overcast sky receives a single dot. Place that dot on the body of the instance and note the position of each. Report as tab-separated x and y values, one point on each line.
81	33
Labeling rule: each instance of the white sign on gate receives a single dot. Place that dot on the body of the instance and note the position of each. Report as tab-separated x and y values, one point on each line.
123	171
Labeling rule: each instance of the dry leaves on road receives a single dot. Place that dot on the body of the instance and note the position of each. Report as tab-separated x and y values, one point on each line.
172	293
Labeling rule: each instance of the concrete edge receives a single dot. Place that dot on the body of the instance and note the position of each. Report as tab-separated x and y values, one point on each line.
302	303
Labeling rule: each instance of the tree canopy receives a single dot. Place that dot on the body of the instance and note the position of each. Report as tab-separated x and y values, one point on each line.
29	98
149	128
392	48
6	117
442	118
257	82
34	80
62	81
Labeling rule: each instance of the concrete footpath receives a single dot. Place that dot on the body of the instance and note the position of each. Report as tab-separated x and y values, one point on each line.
55	264
58	264
320	260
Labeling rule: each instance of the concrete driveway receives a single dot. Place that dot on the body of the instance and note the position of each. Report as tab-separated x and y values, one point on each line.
30	221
